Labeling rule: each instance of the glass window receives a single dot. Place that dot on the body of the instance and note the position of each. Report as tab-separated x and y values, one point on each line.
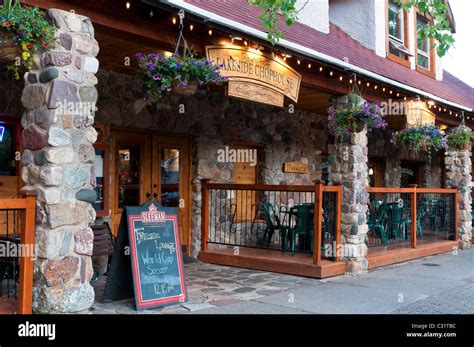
170	177
99	176
129	176
396	25
423	44
7	150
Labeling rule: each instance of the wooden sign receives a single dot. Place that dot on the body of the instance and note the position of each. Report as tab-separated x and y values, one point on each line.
295	167
155	266
418	114
254	75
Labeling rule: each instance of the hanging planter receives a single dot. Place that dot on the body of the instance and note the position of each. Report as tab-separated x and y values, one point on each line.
423	138
460	138
23	32
354	116
162	74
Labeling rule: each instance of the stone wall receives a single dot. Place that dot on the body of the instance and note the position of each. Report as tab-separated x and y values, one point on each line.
59	100
214	120
458	175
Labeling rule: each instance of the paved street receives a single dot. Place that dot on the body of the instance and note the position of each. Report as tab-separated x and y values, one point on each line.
432	285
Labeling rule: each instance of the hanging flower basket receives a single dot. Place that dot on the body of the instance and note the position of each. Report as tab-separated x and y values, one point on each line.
354	116
424	138
186	89
23	32
460	138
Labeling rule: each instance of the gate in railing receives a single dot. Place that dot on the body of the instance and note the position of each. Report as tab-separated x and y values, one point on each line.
411	215
17	232
296	219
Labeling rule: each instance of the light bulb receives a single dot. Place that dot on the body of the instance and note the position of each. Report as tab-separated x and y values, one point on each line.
210	32
127	5
173	20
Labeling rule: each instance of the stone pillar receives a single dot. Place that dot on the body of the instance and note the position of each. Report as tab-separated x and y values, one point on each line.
348	159
458	175
59	98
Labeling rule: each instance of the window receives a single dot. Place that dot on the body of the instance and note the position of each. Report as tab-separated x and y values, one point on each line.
7	149
397	41
423	45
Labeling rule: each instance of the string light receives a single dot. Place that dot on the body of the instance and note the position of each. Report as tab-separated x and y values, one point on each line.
375	87
173	20
246	43
444	110
320	69
350	81
398	94
330	73
391	92
359	82
309	66
368	84
340	78
450	112
127	5
298	62
151	14
210	32
405	98
383	89
191	27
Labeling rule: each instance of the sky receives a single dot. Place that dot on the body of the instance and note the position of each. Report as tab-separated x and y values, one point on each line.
459	59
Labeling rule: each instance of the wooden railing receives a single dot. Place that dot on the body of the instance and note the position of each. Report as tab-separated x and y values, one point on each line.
18	227
262	216
412	213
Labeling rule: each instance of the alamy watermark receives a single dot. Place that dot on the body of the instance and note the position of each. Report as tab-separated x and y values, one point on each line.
237	155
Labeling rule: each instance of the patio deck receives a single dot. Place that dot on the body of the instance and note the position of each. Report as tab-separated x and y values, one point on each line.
302	264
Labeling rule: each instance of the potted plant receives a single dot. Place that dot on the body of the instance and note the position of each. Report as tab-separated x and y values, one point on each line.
24	31
161	74
354	115
421	138
460	138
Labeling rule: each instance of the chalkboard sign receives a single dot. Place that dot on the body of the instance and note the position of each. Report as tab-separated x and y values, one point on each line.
155	262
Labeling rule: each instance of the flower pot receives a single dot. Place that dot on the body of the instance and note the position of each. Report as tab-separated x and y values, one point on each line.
189	90
9	50
464	146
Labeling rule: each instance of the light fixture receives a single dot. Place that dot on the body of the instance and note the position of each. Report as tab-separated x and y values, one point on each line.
320	69
371	171
2	131
450	112
331	73
286	55
456	115
368	84
309	66
246	43
360	82
375	87
398	94
444	110
191	27
127	5
383	89
405	98
350	81
298	62
391	92
431	102
340	78
210	32
237	38
173	20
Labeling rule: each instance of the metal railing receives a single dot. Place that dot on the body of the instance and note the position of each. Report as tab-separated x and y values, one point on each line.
272	217
17	232
408	215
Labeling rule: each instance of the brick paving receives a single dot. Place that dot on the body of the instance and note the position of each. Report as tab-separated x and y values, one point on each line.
432	285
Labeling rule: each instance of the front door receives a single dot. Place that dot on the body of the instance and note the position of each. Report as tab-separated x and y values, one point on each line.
151	167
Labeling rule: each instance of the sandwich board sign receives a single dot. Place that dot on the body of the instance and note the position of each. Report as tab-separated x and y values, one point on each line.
149	237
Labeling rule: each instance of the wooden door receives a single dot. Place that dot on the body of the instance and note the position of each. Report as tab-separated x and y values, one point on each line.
131	172
171	179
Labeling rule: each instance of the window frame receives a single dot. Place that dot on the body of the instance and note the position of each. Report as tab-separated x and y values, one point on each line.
431	72
403	61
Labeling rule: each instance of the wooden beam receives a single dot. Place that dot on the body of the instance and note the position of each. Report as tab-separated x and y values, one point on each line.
318	222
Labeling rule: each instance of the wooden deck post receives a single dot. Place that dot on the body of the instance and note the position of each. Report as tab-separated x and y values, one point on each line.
25	297
413	215
456	215
318	222
204	214
338	220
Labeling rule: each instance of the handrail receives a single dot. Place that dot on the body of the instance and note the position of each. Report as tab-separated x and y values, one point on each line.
411	190
25	285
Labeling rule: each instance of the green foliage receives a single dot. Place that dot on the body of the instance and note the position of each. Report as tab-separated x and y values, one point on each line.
460	138
273	11
438	29
28	28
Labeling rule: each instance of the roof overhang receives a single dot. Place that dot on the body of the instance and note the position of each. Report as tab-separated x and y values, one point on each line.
305	51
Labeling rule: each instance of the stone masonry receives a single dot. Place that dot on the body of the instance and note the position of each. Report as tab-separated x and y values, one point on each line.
458	175
348	165
59	99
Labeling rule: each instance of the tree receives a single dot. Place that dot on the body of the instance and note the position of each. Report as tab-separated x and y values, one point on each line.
437	29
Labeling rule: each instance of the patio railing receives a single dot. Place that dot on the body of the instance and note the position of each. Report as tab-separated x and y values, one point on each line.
17	233
411	215
296	219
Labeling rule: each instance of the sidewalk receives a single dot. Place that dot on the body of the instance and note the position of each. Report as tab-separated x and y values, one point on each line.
436	284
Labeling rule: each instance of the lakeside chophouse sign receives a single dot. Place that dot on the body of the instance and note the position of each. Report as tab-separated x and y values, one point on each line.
255	76
153	263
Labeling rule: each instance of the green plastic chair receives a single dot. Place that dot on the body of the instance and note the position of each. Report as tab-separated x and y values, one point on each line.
396	222
273	224
304	225
376	217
